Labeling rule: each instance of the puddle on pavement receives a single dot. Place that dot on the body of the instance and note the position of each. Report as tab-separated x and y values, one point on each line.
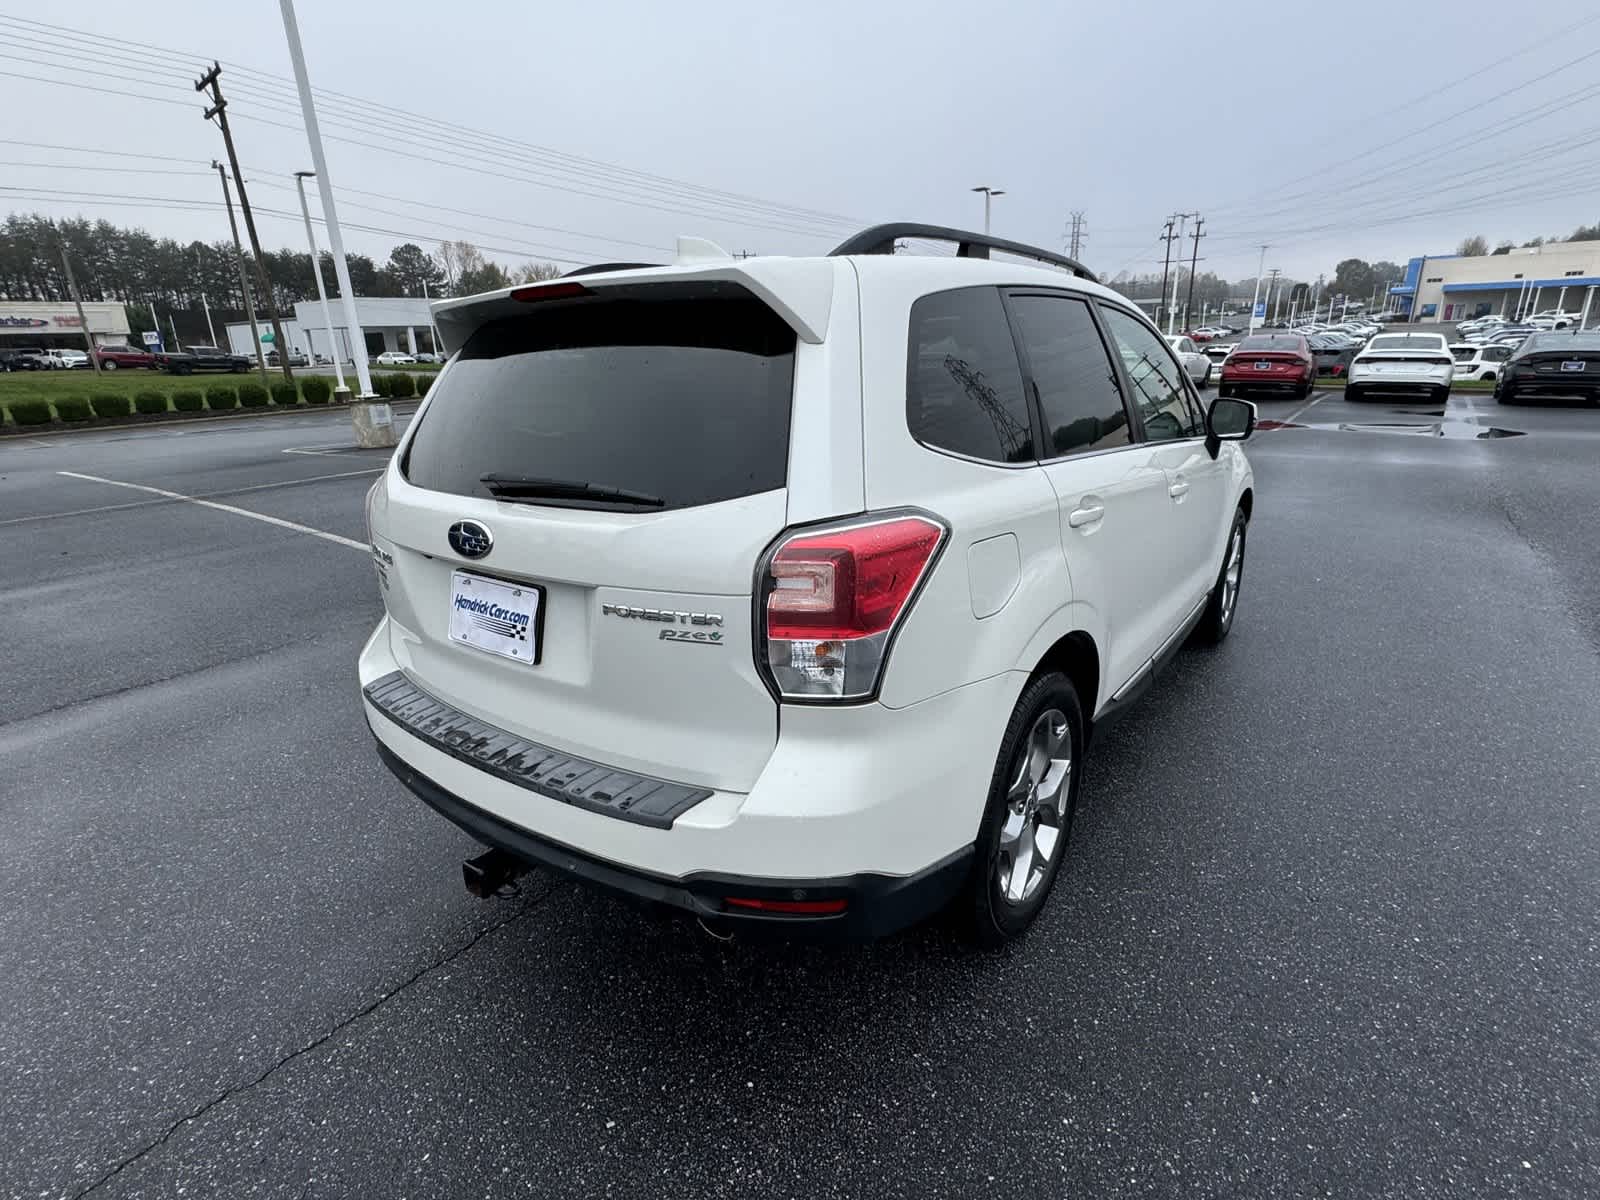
1459	430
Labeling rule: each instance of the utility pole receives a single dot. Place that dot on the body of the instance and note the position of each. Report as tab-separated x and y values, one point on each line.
1194	259
244	284
83	321
1172	307
1078	236
1272	285
219	112
1166	265
316	269
1255	298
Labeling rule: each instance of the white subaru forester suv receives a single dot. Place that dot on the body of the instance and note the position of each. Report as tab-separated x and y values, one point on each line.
789	592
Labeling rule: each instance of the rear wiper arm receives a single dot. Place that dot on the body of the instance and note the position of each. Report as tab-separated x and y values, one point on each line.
514	486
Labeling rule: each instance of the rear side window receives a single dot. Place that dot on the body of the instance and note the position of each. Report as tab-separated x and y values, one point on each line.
1077	384
684	400
1157	379
963	383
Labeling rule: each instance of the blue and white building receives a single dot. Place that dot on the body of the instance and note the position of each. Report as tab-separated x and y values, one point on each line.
1560	276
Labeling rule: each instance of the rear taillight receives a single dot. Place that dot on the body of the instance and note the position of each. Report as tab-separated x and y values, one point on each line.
549	291
832	598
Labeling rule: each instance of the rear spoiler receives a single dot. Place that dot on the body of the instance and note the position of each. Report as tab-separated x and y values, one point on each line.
799	290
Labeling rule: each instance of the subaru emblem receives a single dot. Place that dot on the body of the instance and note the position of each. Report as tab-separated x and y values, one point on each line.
470	540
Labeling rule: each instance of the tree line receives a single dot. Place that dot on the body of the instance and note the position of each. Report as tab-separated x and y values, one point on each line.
129	265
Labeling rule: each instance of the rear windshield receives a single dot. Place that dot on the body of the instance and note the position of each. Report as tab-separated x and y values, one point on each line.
1545	343
1406	341
685	400
1272	341
1464	353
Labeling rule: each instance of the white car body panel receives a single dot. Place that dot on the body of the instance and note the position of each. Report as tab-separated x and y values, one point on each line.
801	790
1384	363
1193	359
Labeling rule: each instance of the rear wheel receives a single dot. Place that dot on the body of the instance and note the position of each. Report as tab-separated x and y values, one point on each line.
1506	394
1352	393
1205	380
108	365
1217	620
1023	837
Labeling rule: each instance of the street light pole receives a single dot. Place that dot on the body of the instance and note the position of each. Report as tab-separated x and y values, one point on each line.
1255	298
322	292
989	193
319	163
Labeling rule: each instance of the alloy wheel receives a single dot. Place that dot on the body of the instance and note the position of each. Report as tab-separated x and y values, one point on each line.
1231	574
1035	826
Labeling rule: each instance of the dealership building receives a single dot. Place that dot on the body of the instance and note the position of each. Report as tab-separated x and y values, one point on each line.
50	324
387	323
1449	287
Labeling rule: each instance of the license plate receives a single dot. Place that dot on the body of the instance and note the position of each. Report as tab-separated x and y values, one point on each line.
502	618
1573	364
1264	366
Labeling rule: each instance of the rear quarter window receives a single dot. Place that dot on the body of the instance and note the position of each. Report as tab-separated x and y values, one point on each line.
684	399
963	380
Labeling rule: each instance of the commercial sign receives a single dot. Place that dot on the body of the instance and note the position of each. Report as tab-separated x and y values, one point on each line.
152	339
1261	308
23	323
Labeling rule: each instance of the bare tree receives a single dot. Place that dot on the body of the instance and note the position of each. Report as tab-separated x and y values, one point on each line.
535	272
1473	247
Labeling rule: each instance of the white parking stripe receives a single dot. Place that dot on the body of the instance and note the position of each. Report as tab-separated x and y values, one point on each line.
1305	408
255	487
227	508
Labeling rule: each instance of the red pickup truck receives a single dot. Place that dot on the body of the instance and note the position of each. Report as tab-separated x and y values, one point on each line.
112	357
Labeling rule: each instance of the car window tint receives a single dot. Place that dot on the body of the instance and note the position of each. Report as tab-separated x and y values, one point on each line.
685	397
963	382
1078	388
1157	380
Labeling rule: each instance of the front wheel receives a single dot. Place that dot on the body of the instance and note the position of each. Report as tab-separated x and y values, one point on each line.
1217	619
1026	823
108	365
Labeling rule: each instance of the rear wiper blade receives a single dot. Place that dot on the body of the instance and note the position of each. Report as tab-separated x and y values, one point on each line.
513	486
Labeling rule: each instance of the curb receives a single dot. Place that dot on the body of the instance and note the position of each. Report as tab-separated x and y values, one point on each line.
153	420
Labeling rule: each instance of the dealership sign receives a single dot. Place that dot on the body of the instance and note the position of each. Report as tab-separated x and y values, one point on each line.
23	323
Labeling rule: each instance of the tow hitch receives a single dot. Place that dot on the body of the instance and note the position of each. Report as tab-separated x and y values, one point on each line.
491	873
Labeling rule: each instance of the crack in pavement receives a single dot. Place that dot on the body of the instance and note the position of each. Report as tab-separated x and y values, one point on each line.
525	910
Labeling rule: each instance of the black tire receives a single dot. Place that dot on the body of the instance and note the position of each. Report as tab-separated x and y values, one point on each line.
1352	393
992	918
1205	380
1441	395
1506	395
240	368
1222	606
1487	377
109	365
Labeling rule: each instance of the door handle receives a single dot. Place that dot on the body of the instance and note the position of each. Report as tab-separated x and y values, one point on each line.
1177	489
1086	514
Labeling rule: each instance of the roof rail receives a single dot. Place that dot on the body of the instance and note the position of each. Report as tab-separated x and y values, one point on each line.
598	268
880	239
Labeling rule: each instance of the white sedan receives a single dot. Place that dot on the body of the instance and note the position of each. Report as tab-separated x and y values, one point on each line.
394	358
1416	365
1194	362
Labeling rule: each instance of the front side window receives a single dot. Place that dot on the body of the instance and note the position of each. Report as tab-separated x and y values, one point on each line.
1157	380
963	382
1077	384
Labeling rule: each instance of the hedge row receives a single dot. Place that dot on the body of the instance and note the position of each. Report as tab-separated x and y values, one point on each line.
110	404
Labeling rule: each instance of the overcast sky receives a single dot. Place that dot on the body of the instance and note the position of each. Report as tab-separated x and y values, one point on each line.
1307	129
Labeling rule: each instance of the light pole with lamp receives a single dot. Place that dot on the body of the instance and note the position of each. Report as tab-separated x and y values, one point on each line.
989	193
341	393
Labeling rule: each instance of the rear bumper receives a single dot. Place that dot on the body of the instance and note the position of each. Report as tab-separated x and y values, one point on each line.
875	905
1423	379
1553	387
1236	384
866	799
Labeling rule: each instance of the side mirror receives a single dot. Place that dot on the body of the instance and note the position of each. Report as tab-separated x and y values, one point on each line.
1229	420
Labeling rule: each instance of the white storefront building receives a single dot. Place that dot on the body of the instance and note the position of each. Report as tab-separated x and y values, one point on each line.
52	323
1560	276
388	323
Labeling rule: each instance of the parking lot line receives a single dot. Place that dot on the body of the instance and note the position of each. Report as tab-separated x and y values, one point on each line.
255	487
227	508
1305	408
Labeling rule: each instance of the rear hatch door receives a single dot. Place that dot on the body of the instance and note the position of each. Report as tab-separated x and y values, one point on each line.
626	457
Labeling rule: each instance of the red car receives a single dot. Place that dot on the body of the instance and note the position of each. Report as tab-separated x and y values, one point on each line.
1198	335
1276	363
112	357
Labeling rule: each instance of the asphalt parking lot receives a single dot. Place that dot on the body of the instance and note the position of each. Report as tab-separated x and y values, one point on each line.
1330	923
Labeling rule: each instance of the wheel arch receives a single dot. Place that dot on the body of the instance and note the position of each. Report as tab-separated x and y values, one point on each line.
1076	655
1247	502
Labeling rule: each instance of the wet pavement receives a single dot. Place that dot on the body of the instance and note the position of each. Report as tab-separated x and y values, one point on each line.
1329	924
